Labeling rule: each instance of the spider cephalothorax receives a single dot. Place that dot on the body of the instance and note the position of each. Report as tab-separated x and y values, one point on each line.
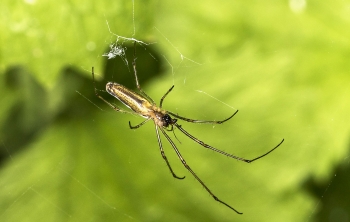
167	120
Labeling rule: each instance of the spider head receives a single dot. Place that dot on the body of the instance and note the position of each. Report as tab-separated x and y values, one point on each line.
167	120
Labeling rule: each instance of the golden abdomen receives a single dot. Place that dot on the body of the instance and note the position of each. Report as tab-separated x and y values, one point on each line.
129	98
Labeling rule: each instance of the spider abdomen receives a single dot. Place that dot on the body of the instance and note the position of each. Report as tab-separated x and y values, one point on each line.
129	98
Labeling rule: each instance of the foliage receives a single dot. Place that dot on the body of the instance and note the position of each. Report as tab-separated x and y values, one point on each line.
65	159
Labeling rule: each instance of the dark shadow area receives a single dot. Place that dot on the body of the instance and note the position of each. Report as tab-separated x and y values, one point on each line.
333	195
26	115
69	91
33	108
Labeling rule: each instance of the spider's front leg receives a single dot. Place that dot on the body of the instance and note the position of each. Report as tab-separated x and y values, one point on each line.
163	154
137	126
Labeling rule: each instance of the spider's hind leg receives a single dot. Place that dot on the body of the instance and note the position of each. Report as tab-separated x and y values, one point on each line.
136	78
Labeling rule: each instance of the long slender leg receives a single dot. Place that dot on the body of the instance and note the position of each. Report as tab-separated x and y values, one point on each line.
163	154
222	152
98	95
134	66
193	173
161	100
137	126
202	121
136	78
172	129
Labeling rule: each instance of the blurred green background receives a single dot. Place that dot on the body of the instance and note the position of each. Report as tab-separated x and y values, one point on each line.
284	65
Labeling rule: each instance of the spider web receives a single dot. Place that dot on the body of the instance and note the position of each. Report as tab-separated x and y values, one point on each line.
117	49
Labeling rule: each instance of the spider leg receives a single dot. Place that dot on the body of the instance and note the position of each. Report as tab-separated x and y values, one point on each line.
134	66
161	100
136	78
222	152
98	95
172	129
163	154
137	126
193	173
202	121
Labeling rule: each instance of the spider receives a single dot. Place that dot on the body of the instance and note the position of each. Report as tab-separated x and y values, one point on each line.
141	104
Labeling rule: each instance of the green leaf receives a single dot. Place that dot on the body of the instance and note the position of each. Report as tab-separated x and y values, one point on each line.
67	156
